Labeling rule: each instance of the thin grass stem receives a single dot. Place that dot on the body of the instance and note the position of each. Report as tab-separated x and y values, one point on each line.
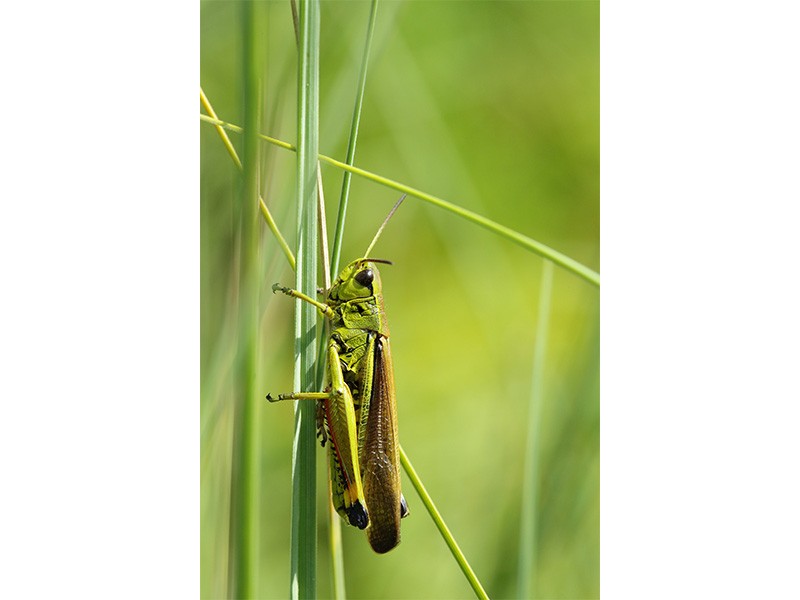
338	236
528	540
564	261
226	141
442	527
335	545
235	157
526	242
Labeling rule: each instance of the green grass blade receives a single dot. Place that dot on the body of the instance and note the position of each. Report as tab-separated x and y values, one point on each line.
443	529
526	570
335	537
560	259
235	157
244	469
304	518
273	226
334	521
335	545
564	261
226	141
239	129
351	144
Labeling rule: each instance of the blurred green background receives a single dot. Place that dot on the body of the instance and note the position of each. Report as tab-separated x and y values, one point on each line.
495	107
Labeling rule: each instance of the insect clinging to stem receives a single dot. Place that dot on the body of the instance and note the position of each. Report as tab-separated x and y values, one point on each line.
357	414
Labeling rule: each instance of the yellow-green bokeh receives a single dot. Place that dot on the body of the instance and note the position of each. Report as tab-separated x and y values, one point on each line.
495	107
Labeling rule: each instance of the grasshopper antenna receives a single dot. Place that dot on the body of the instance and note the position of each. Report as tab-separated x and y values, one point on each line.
385	221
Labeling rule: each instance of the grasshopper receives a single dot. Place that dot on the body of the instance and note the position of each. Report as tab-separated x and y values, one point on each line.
356	414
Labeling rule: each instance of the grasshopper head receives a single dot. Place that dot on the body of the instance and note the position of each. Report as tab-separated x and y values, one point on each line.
359	279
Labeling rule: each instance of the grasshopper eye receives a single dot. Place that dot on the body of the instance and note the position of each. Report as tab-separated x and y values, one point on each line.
365	277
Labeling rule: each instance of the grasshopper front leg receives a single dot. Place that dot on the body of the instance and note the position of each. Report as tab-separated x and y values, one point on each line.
324	308
339	422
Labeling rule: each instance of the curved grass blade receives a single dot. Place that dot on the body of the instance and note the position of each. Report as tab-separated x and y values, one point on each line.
557	257
564	261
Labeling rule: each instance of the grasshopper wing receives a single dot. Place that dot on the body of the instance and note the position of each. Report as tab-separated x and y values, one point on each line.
379	457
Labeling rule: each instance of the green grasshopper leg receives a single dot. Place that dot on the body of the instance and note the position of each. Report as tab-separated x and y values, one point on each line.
339	419
324	308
